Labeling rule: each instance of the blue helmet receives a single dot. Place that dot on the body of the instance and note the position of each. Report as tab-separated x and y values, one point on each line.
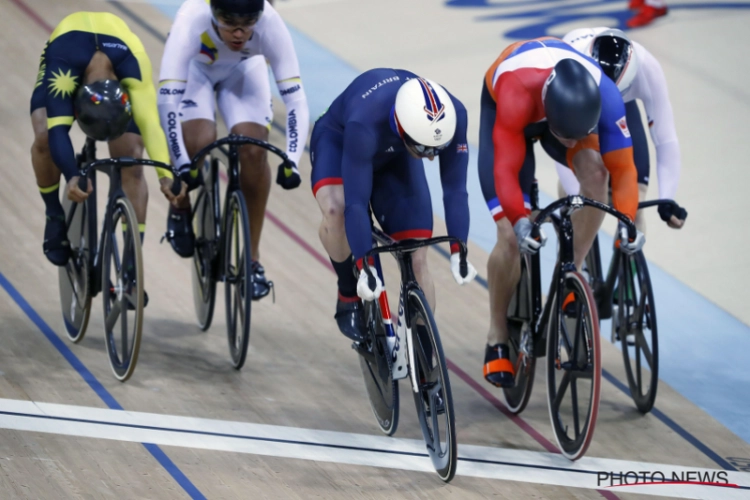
572	101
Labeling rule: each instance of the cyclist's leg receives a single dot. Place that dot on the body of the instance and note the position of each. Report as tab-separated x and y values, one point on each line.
56	245
133	181
402	206
198	131
326	149
586	162
640	156
244	100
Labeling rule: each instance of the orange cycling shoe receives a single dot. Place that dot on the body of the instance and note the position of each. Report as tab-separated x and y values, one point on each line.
498	370
646	16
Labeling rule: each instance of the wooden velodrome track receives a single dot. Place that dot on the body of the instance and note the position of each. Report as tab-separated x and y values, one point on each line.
300	373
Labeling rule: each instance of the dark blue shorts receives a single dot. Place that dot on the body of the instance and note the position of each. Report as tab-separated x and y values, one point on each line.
400	198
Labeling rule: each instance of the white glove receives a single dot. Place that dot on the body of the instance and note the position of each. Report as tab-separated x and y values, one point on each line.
363	287
526	243
631	247
456	270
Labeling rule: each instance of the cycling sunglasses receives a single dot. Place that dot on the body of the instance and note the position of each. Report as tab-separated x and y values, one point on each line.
422	150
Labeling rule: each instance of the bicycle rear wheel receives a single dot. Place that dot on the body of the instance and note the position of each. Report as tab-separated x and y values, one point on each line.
520	341
573	366
636	327
434	400
206	216
122	289
377	370
238	276
75	277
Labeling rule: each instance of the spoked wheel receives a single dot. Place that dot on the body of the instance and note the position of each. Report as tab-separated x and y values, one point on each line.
573	366
206	218
636	327
74	277
238	277
377	370
434	400
520	342
122	289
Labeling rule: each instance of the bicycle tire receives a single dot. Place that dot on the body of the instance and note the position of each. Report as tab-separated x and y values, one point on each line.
75	277
238	276
431	386
117	303
520	341
206	220
377	370
643	318
582	361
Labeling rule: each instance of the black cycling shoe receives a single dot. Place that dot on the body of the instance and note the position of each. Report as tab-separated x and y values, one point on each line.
180	231
350	319
498	370
261	285
56	245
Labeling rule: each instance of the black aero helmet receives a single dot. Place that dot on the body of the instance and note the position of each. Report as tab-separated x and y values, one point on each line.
102	109
616	56
242	12
572	101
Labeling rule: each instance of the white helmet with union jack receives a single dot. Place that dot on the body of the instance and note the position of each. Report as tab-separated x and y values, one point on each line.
425	115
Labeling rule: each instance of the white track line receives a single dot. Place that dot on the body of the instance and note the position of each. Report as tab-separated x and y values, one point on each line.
345	448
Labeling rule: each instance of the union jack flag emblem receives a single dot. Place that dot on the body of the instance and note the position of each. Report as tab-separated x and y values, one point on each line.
433	107
462	148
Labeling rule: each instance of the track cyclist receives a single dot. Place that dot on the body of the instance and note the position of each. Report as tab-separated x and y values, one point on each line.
217	50
638	75
544	90
95	71
367	153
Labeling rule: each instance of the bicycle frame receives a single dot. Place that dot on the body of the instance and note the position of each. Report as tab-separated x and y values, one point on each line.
232	157
401	251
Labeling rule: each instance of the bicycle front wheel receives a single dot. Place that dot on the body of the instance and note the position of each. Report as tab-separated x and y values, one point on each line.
238	276
573	366
434	400
75	277
122	289
377	370
636	327
206	226
520	341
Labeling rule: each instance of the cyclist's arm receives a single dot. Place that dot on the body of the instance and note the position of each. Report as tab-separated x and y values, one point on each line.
146	115
278	48
514	111
60	115
655	97
182	44
617	149
454	162
357	171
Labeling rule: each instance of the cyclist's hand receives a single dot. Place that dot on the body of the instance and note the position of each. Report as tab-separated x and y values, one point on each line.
631	246
165	184
288	176
456	270
674	217
75	193
526	243
363	287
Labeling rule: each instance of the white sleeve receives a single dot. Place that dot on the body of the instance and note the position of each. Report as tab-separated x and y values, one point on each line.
182	44
652	90
277	47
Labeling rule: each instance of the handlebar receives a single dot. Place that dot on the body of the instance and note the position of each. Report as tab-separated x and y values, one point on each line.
238	140
126	161
390	246
578	201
